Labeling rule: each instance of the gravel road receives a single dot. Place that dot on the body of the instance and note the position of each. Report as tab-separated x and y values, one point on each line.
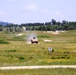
37	67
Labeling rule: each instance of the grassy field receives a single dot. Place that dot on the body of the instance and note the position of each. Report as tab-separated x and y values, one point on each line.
15	51
59	71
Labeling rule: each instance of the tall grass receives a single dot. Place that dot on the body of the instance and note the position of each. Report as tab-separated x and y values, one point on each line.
18	52
59	71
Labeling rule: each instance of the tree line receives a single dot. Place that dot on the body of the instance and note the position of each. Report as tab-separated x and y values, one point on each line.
53	25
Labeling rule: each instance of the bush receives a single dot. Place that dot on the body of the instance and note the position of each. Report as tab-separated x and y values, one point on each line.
10	50
21	58
3	42
60	57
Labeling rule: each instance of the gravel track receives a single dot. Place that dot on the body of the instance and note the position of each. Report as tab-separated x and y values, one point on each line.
37	67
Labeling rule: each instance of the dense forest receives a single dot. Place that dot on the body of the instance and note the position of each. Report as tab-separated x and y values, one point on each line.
53	25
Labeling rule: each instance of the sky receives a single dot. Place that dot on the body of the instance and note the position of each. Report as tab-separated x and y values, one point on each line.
32	11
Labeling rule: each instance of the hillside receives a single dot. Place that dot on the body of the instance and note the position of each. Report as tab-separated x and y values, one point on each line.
4	23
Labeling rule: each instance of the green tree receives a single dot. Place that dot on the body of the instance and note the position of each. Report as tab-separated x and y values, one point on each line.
53	22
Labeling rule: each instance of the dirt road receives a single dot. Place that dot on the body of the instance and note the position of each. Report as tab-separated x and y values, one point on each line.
37	67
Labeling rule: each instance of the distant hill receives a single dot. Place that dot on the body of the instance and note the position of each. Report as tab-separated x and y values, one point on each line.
4	23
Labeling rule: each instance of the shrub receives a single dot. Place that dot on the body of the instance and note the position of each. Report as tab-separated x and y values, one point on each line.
21	58
60	57
10	50
3	42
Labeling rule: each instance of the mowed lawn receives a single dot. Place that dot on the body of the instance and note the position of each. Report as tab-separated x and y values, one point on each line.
17	52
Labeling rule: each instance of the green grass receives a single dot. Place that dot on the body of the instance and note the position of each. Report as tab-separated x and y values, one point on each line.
59	71
18	52
3	42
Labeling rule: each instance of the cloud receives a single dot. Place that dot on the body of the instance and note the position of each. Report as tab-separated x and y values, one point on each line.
57	13
2	13
31	7
45	11
12	0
